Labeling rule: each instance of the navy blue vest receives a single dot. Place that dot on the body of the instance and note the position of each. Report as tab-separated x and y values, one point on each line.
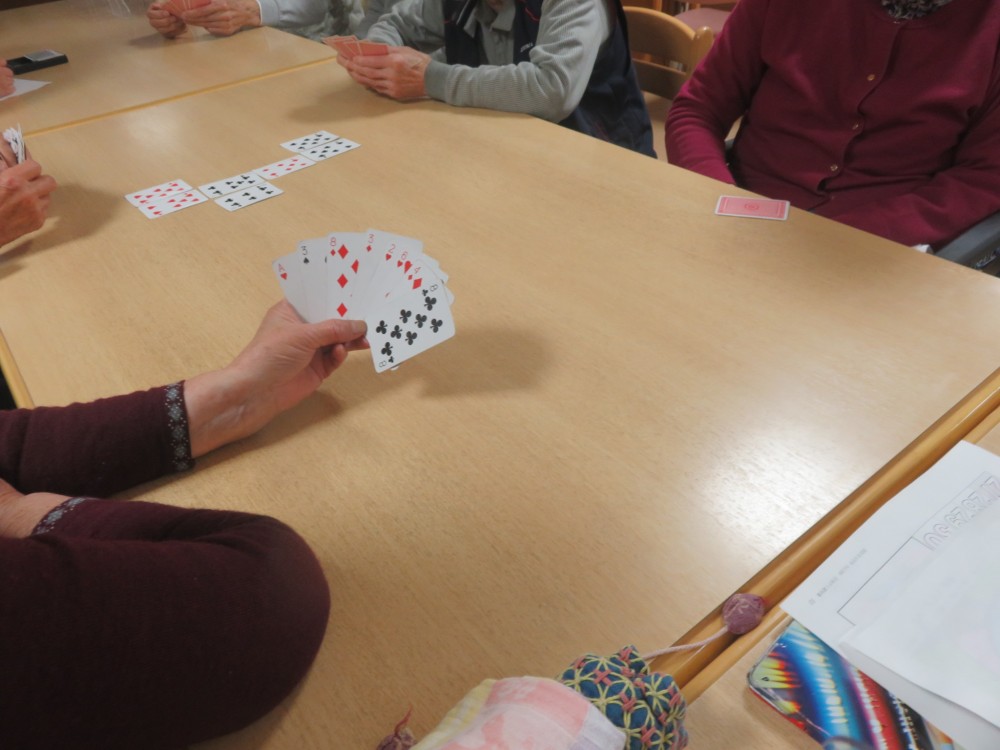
612	107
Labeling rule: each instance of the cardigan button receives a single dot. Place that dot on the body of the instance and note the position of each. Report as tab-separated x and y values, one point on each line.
856	125
834	167
871	76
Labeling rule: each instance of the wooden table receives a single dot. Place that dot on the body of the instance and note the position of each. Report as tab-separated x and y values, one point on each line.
117	61
644	403
725	713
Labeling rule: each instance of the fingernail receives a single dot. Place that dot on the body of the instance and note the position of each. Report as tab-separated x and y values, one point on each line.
356	328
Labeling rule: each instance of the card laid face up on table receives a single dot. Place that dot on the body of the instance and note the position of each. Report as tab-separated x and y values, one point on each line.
241	190
384	279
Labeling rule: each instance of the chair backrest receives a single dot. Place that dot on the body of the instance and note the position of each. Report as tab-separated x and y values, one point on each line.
665	51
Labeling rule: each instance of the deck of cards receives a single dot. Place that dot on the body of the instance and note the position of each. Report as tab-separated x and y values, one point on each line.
177	7
384	279
15	138
241	190
351	46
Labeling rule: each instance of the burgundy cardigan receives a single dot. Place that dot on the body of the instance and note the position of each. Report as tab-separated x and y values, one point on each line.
893	128
135	625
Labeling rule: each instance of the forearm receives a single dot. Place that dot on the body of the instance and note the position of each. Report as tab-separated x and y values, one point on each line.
717	94
214	614
95	449
551	84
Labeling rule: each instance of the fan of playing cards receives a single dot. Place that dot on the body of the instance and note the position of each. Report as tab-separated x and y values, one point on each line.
176	7
14	137
381	278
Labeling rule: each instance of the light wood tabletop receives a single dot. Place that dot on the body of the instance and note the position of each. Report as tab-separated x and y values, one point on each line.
644	403
726	713
117	61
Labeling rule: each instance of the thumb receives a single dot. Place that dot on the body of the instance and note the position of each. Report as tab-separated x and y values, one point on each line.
330	332
7	491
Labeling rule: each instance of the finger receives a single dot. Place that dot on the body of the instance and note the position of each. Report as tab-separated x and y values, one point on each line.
13	177
334	359
7	153
43	186
329	332
358	344
368	80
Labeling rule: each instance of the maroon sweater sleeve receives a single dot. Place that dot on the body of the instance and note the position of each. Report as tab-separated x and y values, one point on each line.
135	625
97	448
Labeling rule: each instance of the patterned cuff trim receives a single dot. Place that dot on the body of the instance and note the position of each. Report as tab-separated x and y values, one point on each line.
52	517
177	426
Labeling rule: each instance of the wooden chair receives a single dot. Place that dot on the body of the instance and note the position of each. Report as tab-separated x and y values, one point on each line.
650	4
665	51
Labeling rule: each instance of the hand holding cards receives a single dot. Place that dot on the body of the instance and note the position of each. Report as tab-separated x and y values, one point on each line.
177	7
15	139
350	46
381	278
24	199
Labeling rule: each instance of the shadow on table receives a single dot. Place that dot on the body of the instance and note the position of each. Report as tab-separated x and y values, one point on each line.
65	223
476	360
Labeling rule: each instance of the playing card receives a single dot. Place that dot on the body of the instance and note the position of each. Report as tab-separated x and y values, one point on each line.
177	7
170	203
751	207
306	142
252	195
408	325
343	260
393	252
345	45
142	197
312	270
372	48
15	138
230	184
283	167
332	148
289	270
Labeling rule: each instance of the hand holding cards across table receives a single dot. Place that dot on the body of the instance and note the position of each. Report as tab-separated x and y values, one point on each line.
15	138
350	46
24	189
384	279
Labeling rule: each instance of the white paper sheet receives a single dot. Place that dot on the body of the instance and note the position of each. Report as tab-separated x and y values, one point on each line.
861	581
23	86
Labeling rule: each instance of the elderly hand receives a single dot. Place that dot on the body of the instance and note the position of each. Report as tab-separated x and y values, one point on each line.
224	17
399	74
24	195
286	361
6	79
165	22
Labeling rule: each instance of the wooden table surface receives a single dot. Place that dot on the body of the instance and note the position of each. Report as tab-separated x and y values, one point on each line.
727	714
117	61
644	403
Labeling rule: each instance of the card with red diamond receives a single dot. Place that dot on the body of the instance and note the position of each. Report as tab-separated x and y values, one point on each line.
366	276
342	268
